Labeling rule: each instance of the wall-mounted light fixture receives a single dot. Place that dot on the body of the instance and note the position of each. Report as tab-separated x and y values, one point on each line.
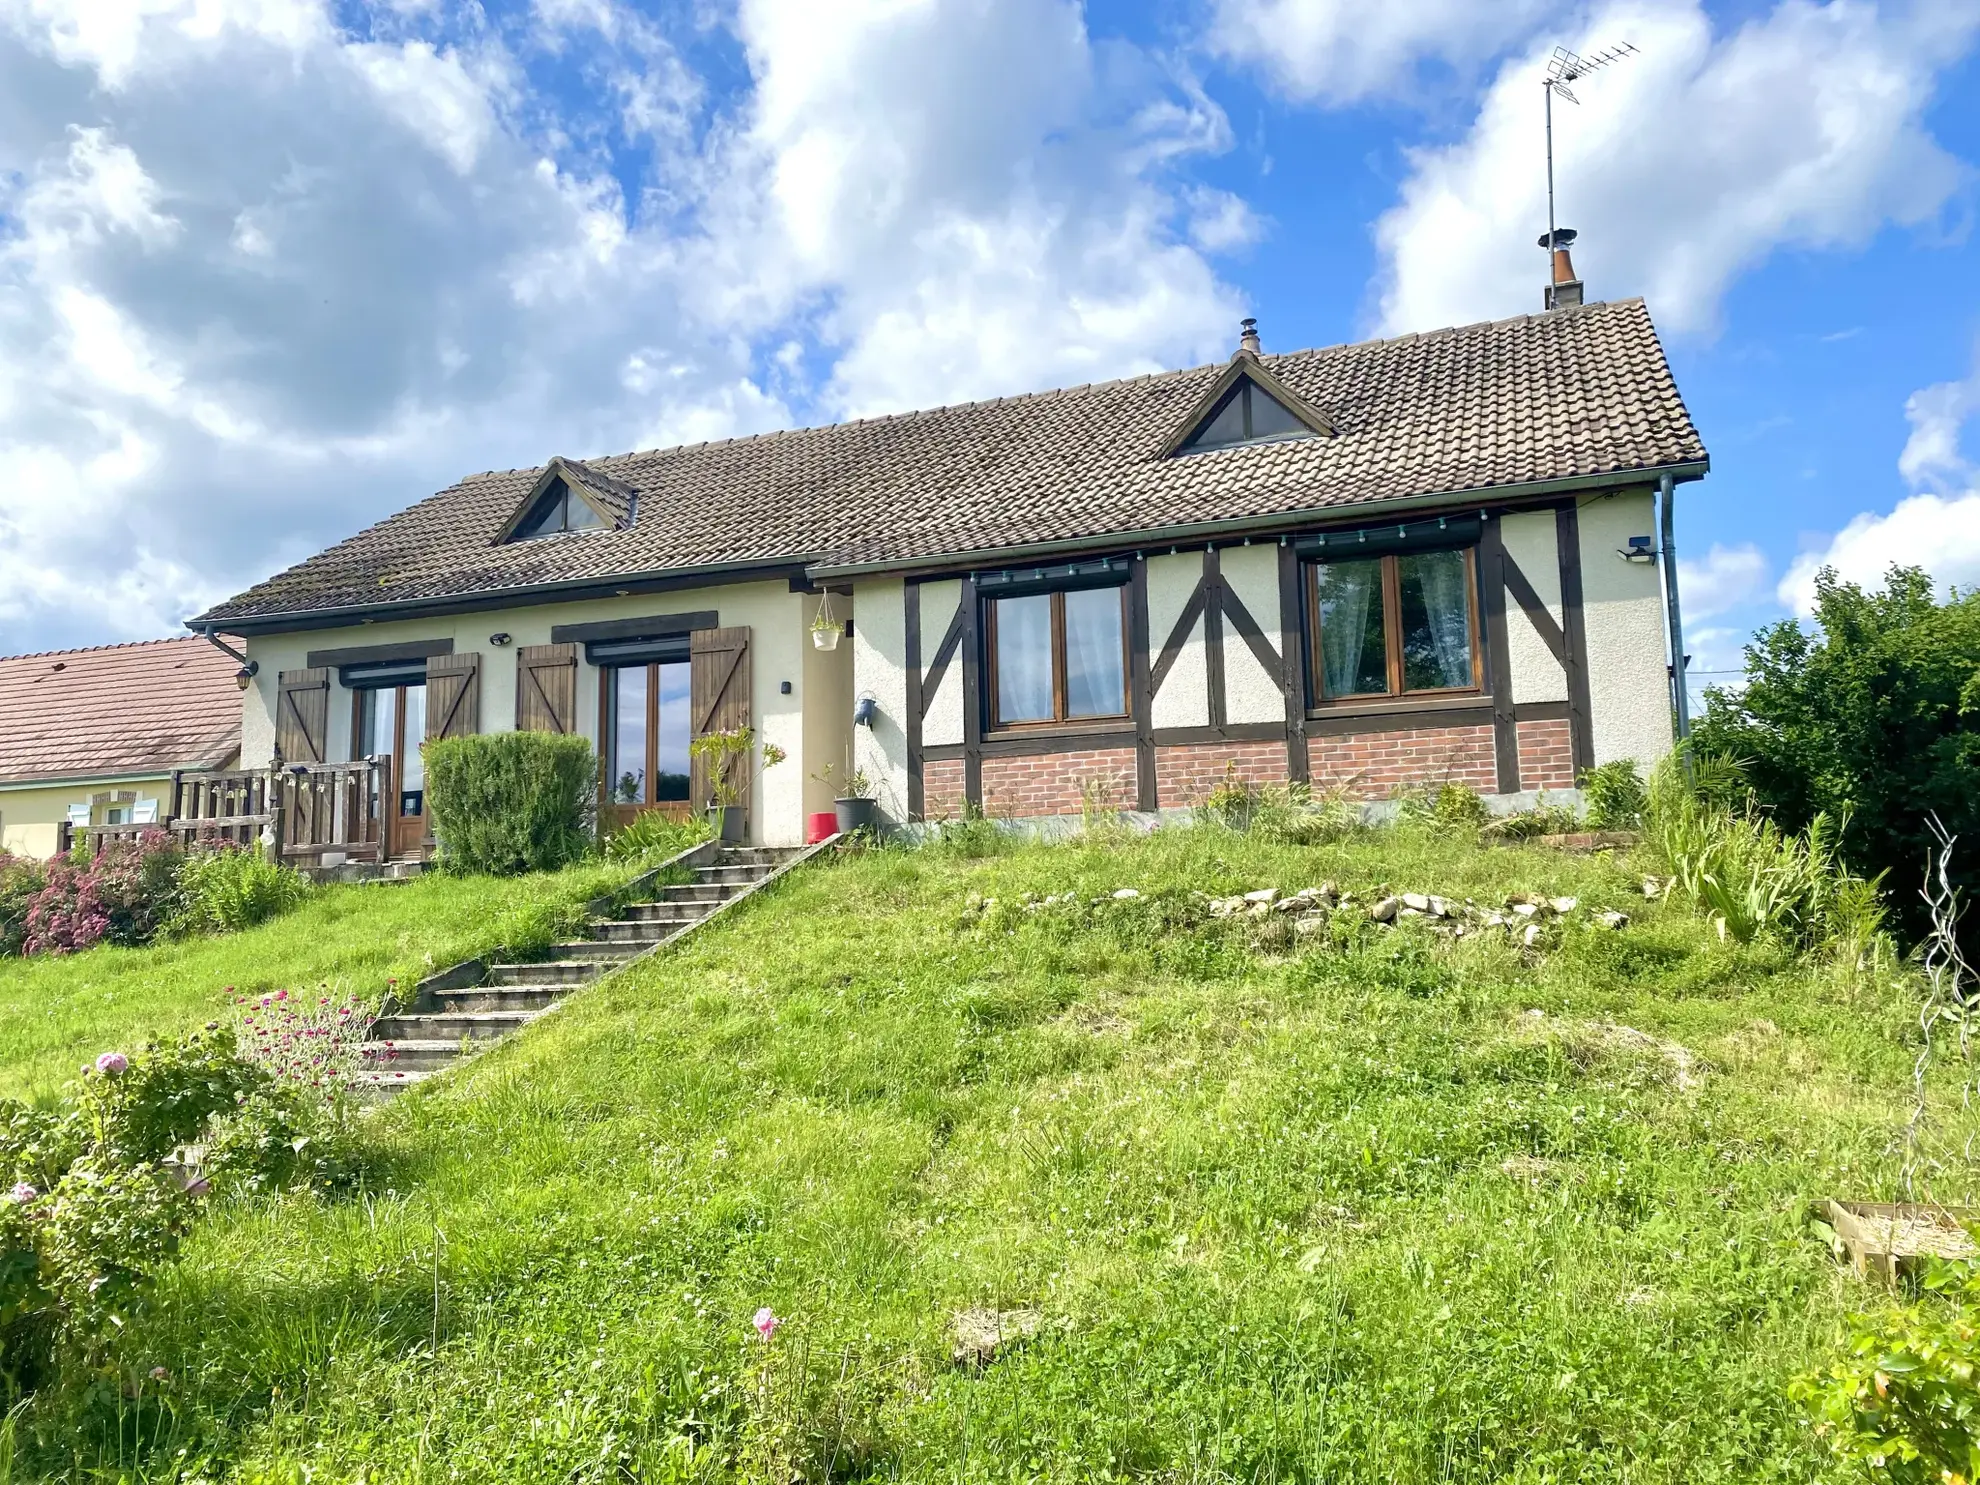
244	677
498	640
1638	550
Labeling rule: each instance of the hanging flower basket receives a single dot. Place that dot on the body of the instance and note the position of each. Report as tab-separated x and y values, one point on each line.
825	629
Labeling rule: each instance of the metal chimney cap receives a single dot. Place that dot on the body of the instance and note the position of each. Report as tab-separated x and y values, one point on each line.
1248	335
1560	237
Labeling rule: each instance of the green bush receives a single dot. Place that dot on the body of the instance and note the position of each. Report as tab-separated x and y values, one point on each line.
651	835
20	880
227	890
1872	718
510	802
1613	795
1905	1403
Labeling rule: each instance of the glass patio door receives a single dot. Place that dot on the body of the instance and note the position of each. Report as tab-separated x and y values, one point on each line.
391	724
645	739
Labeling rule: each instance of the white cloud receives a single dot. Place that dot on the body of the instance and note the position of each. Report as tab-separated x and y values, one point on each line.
1683	166
1937	528
1726	579
1342	51
273	281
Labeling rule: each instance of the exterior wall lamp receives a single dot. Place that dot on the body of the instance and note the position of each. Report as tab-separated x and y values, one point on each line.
244	677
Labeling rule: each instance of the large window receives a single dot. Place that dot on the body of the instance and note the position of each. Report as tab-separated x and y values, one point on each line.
1401	625
646	733
1058	657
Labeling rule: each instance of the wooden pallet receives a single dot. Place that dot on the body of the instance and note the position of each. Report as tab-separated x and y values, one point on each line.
1885	1240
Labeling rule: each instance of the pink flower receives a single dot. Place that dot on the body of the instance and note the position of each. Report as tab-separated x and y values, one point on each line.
110	1064
281	995
766	1322
24	1193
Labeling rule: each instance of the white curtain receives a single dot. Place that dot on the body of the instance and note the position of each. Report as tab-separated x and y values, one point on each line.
1095	679
1446	659
1350	594
1024	659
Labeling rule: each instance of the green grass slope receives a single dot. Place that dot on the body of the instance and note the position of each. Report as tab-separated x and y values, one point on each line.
59	1011
1370	1208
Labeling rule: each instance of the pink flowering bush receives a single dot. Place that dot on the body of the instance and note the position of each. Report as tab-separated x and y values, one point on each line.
126	894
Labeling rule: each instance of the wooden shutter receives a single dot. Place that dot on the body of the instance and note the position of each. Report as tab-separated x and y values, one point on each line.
718	697
546	688
453	695
302	715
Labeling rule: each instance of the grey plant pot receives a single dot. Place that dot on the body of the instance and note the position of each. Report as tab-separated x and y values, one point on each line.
728	823
855	814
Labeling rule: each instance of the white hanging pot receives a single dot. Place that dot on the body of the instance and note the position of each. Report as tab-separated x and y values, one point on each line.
826	639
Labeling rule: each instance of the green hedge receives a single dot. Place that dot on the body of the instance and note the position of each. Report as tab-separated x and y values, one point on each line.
510	802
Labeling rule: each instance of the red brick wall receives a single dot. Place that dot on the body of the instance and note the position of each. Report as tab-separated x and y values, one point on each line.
942	789
1050	783
1546	755
1373	763
1185	774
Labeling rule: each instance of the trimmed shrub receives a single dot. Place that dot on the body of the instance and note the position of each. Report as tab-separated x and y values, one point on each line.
226	890
510	802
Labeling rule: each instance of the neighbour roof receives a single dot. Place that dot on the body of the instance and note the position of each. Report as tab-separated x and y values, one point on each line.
1575	393
119	709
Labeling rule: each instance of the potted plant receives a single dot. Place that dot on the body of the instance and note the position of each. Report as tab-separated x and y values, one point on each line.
727	755
854	804
825	629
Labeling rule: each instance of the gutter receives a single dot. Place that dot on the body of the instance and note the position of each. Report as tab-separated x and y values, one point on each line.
84	780
1674	624
1269	525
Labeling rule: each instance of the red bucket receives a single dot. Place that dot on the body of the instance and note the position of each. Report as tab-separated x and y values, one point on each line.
820	827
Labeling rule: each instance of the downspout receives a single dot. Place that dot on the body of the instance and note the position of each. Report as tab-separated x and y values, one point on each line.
221	645
1680	692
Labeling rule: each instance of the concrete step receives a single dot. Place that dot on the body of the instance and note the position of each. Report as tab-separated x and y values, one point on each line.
414	1053
382	1083
668	912
696	892
641	931
447	1026
740	873
589	949
498	998
549	972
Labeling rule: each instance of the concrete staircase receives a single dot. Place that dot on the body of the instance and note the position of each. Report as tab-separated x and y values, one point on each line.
459	1010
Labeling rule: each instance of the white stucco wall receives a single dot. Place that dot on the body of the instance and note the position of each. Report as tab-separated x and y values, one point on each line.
777	619
1530	542
828	709
1251	693
1184	700
942	717
879	645
1628	686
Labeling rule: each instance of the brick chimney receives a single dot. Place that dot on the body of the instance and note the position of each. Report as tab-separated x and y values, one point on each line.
1248	336
1563	288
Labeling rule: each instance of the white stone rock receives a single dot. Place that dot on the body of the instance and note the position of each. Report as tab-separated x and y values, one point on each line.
1125	894
1416	900
1531	935
1563	904
1384	911
1263	894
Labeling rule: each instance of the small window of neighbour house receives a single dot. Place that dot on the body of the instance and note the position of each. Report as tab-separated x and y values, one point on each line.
557	509
1399	625
1057	657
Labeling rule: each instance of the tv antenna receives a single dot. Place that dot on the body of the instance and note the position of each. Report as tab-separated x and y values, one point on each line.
1563	68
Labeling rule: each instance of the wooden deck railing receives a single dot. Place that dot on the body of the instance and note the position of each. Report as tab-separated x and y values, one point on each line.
306	811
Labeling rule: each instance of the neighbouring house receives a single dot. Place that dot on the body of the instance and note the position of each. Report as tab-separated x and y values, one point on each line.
1369	565
95	737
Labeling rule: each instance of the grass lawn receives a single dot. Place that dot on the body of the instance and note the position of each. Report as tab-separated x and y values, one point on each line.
58	1011
1375	1207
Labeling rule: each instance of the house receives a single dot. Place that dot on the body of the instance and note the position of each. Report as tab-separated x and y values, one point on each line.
94	737
1368	565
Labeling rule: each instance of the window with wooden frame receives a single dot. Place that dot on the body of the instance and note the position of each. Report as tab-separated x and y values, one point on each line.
645	730
1057	656
1404	625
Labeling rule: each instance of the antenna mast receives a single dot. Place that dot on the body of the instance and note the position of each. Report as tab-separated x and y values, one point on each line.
1566	67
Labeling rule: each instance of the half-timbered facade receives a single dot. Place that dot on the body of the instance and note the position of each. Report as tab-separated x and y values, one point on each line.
1366	566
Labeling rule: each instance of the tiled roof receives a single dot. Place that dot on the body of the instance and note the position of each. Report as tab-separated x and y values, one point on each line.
1582	392
120	709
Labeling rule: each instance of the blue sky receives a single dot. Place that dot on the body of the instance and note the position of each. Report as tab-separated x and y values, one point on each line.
272	269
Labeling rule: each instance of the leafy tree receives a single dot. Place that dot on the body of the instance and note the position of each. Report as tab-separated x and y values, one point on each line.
1873	717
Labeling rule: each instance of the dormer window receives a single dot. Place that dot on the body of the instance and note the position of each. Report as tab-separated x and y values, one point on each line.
558	508
1247	414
